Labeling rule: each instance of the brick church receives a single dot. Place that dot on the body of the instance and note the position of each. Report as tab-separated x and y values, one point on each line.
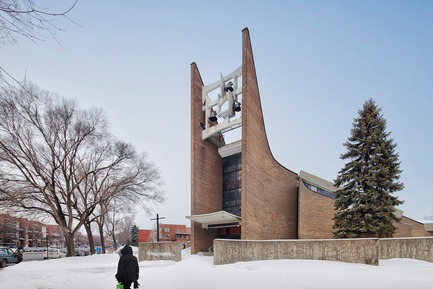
238	189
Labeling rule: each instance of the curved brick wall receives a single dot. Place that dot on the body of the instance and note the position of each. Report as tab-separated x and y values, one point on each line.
269	190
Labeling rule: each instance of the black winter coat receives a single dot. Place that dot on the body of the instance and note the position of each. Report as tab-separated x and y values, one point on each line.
127	269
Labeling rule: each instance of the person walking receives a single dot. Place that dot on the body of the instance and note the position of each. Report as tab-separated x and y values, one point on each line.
20	251
127	269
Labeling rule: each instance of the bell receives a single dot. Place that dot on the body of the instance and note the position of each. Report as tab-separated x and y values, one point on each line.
237	106
213	116
229	86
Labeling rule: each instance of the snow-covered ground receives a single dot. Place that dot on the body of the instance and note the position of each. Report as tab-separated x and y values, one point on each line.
198	272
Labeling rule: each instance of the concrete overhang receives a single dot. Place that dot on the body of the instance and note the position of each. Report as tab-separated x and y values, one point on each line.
221	219
230	149
428	227
398	213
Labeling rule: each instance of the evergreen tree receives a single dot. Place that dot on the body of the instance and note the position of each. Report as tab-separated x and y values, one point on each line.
134	236
364	204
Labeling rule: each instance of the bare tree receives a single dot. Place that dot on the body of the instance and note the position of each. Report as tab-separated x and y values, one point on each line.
96	173
99	219
108	216
116	212
28	19
42	139
111	223
117	173
58	160
124	230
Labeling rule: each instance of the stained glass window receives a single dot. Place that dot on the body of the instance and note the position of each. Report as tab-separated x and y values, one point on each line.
232	179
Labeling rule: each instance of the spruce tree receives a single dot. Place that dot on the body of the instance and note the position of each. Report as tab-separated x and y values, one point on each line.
364	203
134	235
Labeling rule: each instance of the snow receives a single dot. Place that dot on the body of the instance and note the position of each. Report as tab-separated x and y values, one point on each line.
198	271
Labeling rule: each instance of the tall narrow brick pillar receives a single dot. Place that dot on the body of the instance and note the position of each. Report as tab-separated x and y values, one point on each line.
206	170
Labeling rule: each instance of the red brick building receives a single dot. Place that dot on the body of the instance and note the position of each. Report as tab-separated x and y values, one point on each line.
238	189
27	233
174	233
145	236
167	233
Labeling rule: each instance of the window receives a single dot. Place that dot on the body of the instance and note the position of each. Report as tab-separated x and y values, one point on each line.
232	180
167	237
319	190
166	229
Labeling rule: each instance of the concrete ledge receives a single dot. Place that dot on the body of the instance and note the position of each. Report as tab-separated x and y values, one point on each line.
414	248
345	250
160	251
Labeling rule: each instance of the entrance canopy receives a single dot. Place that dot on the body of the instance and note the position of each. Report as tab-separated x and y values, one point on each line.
221	219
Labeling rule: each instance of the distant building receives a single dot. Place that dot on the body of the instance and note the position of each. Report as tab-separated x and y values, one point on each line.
27	233
145	236
167	233
55	236
174	233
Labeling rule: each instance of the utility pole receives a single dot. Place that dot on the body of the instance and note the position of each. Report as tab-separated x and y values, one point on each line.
157	225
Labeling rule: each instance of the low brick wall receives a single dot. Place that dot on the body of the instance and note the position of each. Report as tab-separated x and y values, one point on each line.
346	250
160	251
415	248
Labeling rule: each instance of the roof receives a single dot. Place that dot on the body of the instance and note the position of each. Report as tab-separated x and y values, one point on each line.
428	227
216	219
318	182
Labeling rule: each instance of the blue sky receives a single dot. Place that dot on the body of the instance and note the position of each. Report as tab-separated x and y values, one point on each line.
317	63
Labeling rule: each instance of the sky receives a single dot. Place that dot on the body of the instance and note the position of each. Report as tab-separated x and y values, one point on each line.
317	62
198	271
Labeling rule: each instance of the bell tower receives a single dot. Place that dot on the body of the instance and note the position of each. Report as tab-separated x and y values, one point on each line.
238	189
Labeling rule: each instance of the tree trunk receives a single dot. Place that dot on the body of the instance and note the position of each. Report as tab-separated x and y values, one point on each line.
88	228
70	246
114	240
101	234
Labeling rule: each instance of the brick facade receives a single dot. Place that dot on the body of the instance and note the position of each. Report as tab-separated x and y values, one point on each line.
206	169
275	202
27	233
174	233
145	236
315	214
269	190
410	228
